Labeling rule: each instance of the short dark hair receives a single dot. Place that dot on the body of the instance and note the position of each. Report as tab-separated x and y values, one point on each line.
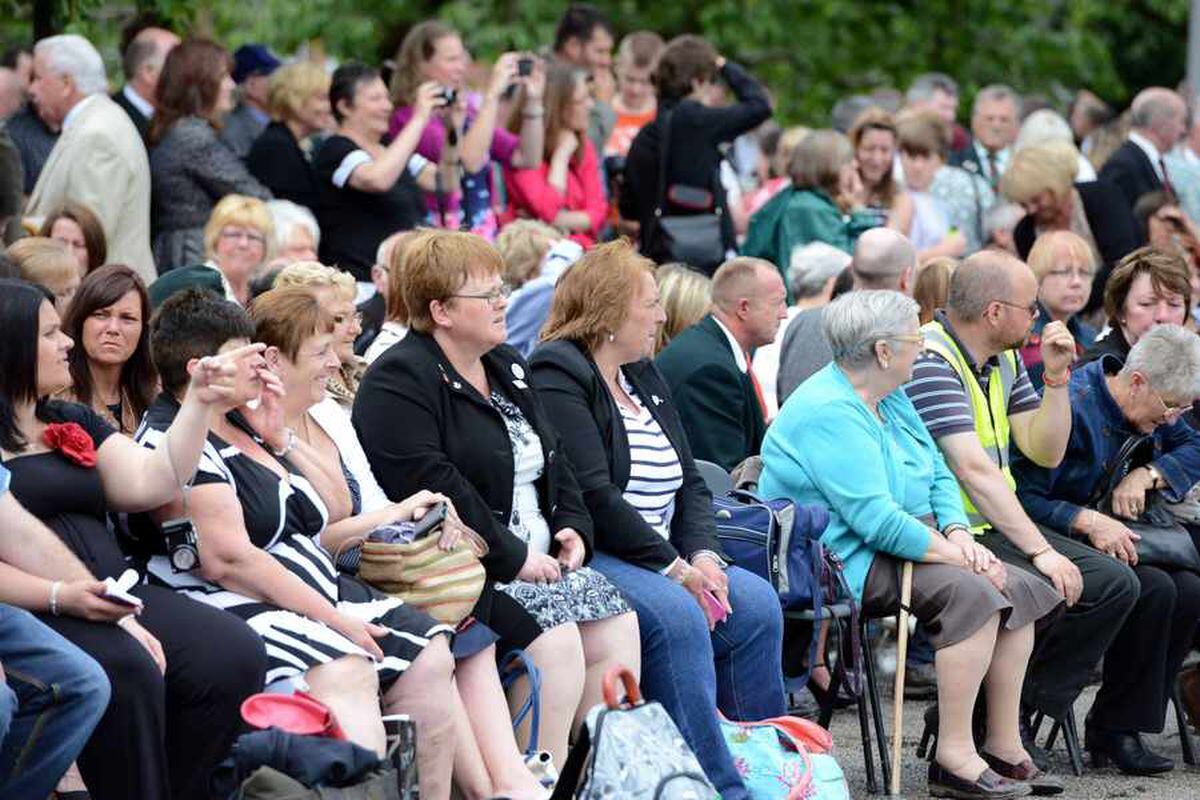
190	84
579	21
345	82
685	59
193	323
20	307
100	289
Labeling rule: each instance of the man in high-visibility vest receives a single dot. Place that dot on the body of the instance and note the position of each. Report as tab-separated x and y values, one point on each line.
974	395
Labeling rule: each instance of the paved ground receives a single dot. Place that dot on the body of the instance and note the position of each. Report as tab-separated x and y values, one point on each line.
1181	784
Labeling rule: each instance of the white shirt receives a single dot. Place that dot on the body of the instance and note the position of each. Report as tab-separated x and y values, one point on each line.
739	355
766	365
75	109
137	101
1151	150
1001	156
335	421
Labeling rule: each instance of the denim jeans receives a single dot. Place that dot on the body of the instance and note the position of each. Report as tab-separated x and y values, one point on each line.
692	672
60	695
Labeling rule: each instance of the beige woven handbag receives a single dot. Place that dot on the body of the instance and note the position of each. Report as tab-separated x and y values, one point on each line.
445	584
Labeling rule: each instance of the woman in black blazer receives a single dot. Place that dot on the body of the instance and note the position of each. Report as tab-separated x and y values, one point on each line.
655	536
449	409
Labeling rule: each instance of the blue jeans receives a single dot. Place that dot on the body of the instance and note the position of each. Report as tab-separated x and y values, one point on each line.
692	672
60	694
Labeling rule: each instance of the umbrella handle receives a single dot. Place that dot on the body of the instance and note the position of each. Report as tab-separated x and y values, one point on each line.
901	655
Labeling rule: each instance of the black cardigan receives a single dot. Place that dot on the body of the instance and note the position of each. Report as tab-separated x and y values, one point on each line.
697	133
423	426
279	163
584	411
1111	222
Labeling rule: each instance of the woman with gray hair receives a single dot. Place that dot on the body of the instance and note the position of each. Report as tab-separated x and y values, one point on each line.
850	438
1112	404
297	234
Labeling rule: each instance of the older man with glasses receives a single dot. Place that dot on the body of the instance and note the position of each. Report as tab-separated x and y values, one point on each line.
974	394
1132	408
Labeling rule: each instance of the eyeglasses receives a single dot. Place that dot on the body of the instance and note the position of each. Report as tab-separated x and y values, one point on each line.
915	338
250	236
501	292
340	319
1031	309
1066	272
1169	413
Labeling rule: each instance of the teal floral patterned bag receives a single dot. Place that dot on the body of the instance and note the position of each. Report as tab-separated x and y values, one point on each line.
785	758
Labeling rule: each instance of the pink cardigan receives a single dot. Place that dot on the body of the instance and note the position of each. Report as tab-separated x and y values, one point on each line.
531	195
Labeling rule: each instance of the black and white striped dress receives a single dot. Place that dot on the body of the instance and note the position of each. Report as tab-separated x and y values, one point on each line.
285	518
655	474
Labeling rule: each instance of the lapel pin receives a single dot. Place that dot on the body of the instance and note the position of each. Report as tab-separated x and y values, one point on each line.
656	399
518	372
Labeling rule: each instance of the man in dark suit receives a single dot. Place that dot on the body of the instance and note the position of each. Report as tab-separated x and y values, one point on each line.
995	120
142	61
1159	120
708	366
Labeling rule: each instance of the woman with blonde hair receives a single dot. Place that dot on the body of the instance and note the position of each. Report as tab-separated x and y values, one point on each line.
1042	180
685	295
526	246
932	285
1064	266
468	130
280	157
48	263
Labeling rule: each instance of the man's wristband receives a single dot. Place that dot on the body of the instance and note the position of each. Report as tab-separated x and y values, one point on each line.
1046	548
1053	384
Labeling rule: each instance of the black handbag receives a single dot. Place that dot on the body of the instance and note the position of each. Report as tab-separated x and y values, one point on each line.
697	240
1165	542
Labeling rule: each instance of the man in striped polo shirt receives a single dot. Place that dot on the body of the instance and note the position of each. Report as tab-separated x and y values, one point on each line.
973	394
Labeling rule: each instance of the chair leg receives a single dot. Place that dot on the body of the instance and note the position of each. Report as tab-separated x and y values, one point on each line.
1053	737
872	692
1185	734
864	729
1071	740
1036	725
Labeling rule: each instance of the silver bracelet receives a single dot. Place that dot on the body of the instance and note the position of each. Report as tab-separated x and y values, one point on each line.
289	446
54	587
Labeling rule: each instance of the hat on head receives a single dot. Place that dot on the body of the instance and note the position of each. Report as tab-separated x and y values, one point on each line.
253	59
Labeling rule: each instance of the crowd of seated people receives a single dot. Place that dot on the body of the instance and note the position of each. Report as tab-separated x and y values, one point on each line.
299	305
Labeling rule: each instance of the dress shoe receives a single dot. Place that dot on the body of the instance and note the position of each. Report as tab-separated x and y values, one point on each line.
1127	751
1041	784
988	786
1189	692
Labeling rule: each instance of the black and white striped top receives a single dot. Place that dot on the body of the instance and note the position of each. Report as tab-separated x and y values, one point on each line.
655	474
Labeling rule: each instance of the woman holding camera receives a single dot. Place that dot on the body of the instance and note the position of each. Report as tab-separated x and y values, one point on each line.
371	189
175	698
467	132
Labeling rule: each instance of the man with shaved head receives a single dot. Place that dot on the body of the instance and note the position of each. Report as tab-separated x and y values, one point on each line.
972	392
1159	120
883	259
708	366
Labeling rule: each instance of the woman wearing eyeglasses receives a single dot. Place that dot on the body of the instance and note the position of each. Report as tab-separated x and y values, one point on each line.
1111	401
1063	264
450	408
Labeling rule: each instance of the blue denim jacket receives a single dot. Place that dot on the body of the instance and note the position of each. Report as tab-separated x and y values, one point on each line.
1053	497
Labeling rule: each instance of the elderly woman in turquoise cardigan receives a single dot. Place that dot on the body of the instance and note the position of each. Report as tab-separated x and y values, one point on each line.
850	438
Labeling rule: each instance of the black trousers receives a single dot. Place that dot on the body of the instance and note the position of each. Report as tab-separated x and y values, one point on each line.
1066	651
163	734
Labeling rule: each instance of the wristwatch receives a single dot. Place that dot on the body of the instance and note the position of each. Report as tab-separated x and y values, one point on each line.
1156	478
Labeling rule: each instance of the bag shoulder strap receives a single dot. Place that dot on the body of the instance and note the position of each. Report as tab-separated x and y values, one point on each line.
1103	487
572	770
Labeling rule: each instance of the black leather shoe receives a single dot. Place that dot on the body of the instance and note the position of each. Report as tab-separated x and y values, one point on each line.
988	786
1126	751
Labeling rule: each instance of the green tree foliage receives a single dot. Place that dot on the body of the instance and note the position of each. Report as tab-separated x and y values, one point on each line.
810	52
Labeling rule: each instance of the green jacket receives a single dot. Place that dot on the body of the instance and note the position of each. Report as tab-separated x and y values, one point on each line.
716	400
796	217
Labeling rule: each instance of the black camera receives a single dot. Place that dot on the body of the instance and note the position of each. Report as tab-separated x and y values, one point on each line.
448	95
183	546
525	66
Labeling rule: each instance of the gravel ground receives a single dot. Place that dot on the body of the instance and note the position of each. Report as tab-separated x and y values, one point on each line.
1181	784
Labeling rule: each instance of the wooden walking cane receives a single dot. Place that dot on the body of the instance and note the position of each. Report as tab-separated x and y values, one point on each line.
901	654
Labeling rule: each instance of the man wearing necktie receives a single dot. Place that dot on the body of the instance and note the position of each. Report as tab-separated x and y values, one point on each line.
1158	120
995	120
708	366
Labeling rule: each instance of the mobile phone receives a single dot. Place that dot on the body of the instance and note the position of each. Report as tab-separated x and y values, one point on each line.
525	66
430	522
118	590
715	606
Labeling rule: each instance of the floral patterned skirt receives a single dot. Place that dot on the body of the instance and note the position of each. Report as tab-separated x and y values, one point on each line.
581	596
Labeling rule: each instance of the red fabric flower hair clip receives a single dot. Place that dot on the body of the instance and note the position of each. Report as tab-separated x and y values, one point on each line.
70	439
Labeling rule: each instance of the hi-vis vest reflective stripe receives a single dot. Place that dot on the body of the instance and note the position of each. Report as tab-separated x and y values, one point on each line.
991	412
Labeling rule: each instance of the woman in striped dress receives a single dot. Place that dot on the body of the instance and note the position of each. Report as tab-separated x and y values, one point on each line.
655	537
259	501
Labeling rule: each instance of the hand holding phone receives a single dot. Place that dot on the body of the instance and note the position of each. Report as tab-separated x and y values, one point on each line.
715	606
431	521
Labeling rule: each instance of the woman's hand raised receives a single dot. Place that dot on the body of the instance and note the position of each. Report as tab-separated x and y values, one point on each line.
213	377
